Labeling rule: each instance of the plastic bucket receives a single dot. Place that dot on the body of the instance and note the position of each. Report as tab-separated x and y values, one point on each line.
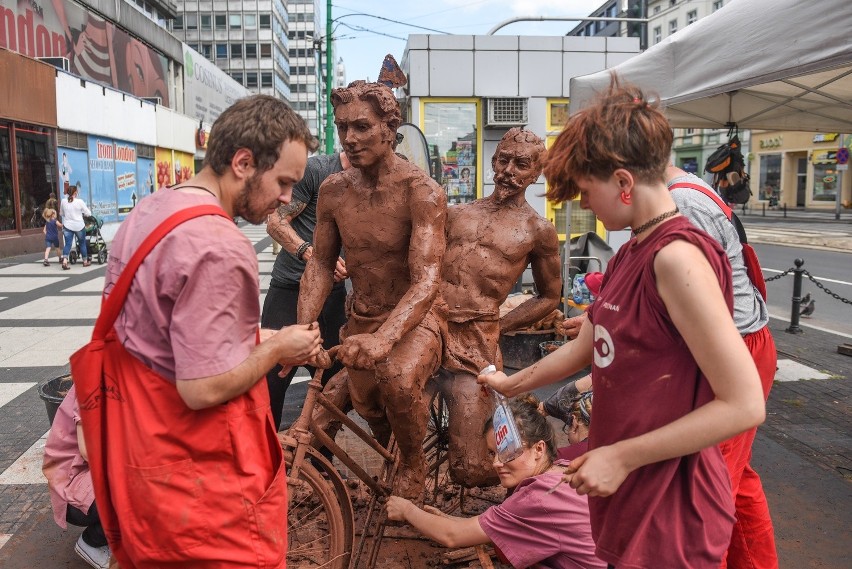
548	348
53	392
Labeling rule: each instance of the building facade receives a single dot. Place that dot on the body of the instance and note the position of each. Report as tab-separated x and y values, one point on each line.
245	39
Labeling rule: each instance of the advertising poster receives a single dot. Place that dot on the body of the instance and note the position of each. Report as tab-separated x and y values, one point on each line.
73	170
96	49
184	166
207	90
102	172
146	178
164	170
125	177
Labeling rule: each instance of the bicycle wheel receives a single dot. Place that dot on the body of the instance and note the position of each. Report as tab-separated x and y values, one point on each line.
441	493
316	528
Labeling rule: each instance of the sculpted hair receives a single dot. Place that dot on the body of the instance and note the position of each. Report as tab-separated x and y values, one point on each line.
380	97
259	123
518	134
621	129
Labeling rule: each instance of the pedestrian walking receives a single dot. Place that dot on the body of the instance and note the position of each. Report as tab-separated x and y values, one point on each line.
51	235
73	226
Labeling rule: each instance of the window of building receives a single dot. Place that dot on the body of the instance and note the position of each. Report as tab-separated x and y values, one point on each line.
292	53
206	21
672	26
672	3
221	51
237	51
266	50
266	79
250	21
825	182
177	24
691	16
235	21
207	50
34	146
658	34
689	131
251	51
221	21
718	4
451	134
191	21
656	9
265	21
770	176
251	79
237	76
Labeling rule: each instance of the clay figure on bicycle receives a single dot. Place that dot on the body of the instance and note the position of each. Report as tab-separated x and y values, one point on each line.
490	242
389	216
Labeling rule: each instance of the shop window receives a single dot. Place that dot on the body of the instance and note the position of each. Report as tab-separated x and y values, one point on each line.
770	177
451	133
825	183
35	172
7	191
220	21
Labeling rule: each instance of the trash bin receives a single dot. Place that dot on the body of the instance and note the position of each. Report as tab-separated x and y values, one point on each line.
53	392
520	349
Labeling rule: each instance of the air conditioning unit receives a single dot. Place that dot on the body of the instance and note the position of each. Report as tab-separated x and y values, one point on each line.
58	62
506	111
153	100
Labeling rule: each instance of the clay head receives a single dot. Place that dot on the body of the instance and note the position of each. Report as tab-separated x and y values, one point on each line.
517	162
367	116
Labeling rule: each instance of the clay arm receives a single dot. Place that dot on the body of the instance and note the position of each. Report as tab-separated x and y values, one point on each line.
546	269
318	277
426	249
278	225
449	531
690	290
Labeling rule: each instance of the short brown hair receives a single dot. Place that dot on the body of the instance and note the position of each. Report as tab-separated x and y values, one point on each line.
259	123
621	129
380	97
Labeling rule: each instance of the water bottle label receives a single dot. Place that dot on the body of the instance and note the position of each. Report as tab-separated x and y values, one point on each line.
501	430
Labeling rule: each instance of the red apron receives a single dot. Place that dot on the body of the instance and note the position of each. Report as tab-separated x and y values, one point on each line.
176	487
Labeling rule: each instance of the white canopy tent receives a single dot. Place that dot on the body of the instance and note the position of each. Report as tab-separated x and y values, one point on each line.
762	64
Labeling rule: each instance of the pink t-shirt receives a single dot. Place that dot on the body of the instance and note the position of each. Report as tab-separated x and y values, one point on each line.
672	513
532	528
67	473
193	308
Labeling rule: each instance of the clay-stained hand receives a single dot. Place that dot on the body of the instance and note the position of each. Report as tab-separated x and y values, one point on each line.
340	273
498	381
396	508
364	351
571	326
599	472
298	343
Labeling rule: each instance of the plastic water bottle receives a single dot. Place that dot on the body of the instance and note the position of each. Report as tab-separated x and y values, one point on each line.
509	445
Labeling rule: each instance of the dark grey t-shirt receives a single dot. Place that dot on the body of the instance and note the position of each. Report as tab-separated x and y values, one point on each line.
288	269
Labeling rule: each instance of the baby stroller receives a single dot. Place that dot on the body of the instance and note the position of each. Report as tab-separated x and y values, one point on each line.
95	243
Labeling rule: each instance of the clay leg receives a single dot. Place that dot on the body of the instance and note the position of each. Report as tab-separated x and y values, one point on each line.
402	381
368	402
469	408
337	391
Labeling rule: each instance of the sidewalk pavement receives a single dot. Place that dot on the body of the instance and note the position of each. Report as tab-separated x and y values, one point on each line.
803	451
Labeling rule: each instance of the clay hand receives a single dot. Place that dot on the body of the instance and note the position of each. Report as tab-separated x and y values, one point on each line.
396	507
498	381
599	472
340	272
571	326
364	351
298	343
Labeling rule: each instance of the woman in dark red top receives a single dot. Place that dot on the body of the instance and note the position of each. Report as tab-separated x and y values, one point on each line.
670	373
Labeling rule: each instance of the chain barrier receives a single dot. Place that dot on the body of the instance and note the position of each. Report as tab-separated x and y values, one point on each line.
823	287
778	276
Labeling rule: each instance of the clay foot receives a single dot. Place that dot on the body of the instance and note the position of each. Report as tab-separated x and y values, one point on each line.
410	483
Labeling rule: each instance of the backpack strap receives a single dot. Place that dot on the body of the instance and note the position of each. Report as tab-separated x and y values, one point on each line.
113	304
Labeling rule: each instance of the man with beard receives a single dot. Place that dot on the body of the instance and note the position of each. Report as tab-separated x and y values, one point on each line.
389	217
187	467
490	242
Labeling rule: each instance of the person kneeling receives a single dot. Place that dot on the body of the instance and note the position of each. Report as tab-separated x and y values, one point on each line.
533	525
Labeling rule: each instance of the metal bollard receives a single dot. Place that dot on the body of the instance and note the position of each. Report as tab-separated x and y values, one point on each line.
785	210
763	212
797	297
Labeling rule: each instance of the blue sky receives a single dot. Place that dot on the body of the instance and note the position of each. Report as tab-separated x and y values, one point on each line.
363	51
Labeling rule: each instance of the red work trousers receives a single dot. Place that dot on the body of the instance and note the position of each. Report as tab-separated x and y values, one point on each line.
753	540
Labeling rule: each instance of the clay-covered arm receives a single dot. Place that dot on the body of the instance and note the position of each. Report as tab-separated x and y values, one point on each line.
449	531
426	249
318	277
546	269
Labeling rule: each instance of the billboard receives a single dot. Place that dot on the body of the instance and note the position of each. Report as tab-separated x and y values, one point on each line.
207	89
96	48
125	177
102	172
73	170
146	177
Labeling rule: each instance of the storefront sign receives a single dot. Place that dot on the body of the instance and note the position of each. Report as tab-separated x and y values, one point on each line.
826	137
207	89
775	142
824	157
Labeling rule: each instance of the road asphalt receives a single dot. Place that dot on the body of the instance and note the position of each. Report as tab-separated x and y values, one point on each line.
803	451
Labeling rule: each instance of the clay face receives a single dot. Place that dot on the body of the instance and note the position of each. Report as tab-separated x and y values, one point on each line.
364	136
263	193
516	166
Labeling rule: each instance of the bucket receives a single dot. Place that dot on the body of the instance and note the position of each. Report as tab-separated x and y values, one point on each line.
53	392
520	348
548	348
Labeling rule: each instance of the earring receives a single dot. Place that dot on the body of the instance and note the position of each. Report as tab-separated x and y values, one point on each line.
625	198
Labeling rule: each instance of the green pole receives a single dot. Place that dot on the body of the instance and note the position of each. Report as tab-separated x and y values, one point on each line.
329	62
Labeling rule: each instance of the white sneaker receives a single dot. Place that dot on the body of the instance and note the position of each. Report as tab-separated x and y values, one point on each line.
97	557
